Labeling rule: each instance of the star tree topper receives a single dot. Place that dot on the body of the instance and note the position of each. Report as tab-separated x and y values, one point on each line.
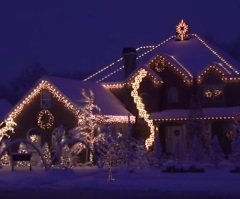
182	30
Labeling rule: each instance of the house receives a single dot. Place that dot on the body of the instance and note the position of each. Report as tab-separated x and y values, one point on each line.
54	102
177	88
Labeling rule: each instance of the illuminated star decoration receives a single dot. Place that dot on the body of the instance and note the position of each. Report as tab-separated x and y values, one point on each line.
208	94
182	30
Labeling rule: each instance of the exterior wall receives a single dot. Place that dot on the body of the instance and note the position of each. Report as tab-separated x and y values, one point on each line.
212	78
171	79
232	94
156	99
215	128
27	119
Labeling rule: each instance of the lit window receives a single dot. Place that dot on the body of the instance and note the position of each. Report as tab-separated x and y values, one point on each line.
172	95
46	99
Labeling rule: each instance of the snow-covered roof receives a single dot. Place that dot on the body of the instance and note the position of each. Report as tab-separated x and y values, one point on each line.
5	107
69	92
191	57
153	74
103	98
208	113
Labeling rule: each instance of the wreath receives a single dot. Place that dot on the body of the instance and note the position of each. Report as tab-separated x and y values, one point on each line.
45	119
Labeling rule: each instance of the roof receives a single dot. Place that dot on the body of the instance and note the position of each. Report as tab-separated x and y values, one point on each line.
5	107
69	92
208	113
103	98
191	56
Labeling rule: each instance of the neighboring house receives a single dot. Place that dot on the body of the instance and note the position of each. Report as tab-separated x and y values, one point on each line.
56	101
169	85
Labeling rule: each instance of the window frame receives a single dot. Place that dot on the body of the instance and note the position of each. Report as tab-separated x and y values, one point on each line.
46	99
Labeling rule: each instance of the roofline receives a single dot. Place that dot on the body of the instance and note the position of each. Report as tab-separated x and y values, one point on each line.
45	83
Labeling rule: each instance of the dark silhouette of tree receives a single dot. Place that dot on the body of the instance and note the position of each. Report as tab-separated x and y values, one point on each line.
3	90
21	84
78	75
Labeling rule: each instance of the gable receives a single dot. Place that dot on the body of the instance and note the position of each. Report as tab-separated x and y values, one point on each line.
68	93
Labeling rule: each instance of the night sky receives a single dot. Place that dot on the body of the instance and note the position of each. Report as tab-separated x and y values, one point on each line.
78	35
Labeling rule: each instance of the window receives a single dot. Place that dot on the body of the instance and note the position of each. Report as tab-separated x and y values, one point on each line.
46	99
173	95
213	93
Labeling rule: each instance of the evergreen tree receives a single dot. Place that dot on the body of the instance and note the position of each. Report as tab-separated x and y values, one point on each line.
155	158
196	126
235	156
66	159
46	155
5	159
217	153
196	153
26	79
178	148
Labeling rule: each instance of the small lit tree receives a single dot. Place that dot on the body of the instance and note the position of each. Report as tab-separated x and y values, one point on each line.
66	159
89	118
6	127
5	159
46	155
22	149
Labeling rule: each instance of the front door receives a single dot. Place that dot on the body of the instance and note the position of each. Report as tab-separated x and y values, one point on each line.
175	139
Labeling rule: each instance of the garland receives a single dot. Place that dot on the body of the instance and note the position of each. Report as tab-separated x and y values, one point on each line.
45	119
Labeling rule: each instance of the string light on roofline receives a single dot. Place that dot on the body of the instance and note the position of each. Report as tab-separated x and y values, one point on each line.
180	64
163	62
182	29
143	47
114	85
122	67
210	68
200	118
103	69
224	68
157	80
215	53
44	84
139	57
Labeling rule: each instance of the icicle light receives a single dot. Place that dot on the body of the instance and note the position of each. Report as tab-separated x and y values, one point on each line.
44	84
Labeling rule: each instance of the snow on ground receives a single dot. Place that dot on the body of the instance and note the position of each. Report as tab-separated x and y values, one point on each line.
91	182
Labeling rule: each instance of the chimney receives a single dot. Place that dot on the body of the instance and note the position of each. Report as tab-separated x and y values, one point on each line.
129	60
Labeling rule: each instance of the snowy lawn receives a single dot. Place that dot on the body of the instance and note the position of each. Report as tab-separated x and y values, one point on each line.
91	182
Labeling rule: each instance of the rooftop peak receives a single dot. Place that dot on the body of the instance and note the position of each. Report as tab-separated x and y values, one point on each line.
182	30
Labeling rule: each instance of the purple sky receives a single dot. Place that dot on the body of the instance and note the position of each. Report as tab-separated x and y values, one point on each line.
65	35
